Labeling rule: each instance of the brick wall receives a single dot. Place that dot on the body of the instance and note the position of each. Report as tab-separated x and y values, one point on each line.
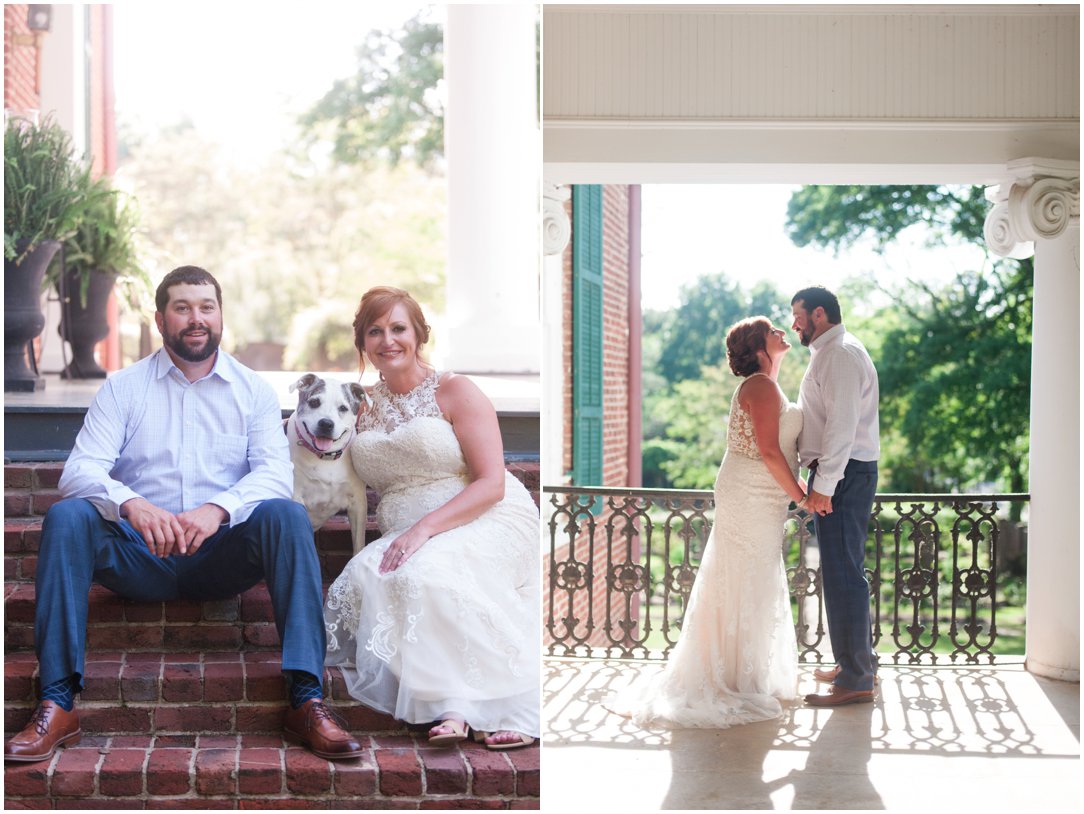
20	62
615	286
615	338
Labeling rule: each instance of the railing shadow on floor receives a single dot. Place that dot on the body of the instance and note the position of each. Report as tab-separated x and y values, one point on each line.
947	711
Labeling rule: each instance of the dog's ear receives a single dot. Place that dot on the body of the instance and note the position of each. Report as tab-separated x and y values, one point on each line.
304	383
355	395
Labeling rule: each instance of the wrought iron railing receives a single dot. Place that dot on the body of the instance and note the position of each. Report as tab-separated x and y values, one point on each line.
622	564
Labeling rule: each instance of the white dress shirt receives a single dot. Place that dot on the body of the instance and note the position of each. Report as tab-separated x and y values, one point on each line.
838	398
151	433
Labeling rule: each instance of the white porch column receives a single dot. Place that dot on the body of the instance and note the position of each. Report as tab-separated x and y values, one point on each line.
491	137
556	232
1041	204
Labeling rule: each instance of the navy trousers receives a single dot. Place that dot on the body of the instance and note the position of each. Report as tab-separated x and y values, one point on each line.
78	547
841	537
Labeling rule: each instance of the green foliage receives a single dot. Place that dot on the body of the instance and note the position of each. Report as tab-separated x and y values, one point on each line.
290	235
837	217
956	382
954	361
45	186
106	240
391	108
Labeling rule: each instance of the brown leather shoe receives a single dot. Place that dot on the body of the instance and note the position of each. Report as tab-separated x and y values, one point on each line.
317	727
50	726
837	696
828	676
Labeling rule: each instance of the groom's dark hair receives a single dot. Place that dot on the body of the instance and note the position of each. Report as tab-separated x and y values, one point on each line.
819	297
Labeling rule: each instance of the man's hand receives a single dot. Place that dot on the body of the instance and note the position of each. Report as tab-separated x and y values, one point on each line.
816	503
160	530
199	524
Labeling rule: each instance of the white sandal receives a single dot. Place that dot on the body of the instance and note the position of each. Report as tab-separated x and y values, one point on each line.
522	740
458	733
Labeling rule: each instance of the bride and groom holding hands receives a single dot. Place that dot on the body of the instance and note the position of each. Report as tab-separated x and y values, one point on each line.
736	658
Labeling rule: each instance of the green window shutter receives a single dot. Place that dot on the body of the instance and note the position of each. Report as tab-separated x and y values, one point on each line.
587	335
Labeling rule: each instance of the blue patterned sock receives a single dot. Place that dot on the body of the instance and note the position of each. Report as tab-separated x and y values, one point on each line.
61	692
303	686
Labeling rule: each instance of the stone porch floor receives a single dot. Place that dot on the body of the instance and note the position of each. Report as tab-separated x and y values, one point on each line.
944	738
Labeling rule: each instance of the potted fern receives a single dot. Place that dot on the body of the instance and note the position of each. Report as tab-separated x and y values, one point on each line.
45	191
100	254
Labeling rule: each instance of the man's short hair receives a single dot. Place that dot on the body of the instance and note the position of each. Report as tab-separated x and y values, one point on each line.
819	297
184	275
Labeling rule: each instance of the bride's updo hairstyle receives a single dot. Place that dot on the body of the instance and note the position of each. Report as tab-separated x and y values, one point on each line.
378	301
743	341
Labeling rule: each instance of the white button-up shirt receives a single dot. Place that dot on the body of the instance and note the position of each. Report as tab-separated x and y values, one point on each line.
151	433
838	398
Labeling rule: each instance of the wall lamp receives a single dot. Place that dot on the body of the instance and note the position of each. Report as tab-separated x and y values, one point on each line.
39	19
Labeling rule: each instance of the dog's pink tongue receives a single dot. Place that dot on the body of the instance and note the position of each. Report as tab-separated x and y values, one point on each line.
322	444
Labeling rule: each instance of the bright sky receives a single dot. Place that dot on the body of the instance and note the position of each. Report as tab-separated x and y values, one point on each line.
241	71
697	229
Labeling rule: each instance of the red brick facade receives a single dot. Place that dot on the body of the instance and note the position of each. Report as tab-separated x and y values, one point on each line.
21	61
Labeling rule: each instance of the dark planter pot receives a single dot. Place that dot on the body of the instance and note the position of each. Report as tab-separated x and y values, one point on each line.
84	326
23	318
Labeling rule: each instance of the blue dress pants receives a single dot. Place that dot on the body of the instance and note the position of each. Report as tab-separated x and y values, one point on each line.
78	547
841	537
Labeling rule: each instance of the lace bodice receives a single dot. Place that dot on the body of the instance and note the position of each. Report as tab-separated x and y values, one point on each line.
388	411
741	437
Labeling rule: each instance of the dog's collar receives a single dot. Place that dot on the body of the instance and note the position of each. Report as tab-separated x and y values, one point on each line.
327	456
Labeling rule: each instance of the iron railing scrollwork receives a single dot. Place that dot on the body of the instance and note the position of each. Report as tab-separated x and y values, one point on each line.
622	564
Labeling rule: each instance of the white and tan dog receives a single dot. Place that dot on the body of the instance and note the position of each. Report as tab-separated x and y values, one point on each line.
320	431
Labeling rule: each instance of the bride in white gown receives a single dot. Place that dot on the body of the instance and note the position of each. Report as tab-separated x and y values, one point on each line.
736	658
438	620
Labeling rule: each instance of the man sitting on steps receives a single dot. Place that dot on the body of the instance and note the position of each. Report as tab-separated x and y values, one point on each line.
179	486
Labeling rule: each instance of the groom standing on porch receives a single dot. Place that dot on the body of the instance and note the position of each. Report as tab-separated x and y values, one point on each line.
840	444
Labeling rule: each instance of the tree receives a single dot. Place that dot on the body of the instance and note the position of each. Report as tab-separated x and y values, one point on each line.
391	108
954	361
956	381
837	217
289	239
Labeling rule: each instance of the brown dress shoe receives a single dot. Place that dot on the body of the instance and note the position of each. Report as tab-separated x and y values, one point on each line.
837	696
826	676
317	727
829	676
50	726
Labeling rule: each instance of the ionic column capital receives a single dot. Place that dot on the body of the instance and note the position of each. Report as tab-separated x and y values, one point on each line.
556	226
1037	201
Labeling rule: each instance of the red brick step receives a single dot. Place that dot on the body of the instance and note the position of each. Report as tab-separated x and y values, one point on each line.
260	771
156	693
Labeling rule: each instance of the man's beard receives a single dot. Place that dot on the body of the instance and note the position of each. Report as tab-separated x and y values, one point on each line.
806	336
175	342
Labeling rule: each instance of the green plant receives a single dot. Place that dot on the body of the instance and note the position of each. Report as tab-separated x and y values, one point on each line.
105	241
45	186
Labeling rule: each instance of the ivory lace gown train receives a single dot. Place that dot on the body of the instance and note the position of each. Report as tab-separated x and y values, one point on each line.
456	627
736	657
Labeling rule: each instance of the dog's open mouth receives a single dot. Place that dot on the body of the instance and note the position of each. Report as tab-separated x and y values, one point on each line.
323	444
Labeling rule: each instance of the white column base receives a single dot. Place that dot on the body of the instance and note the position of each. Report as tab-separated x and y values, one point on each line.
1070	674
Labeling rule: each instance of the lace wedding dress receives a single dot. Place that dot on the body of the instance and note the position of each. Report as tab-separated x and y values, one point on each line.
736	657
456	627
